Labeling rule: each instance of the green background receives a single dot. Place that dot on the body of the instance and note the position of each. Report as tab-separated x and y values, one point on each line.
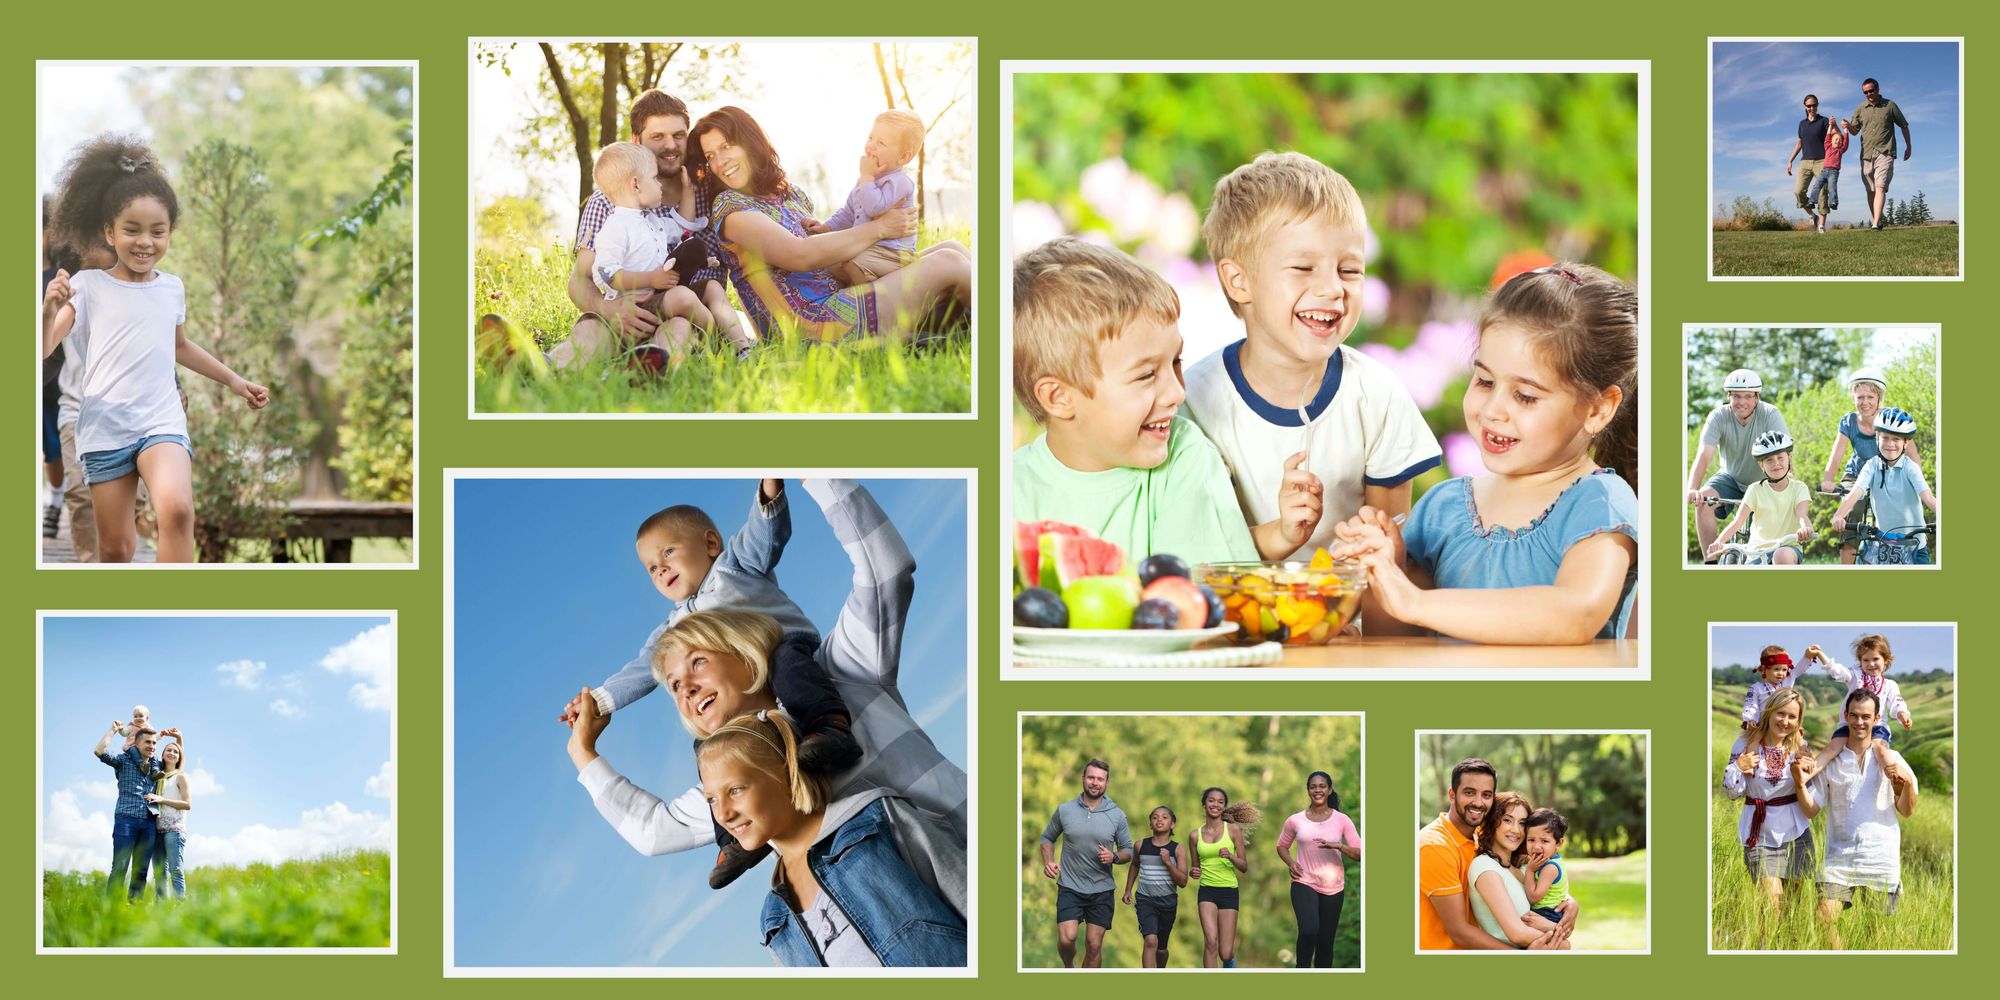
1673	705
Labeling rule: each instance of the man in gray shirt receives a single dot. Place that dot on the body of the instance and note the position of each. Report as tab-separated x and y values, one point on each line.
1095	837
1729	432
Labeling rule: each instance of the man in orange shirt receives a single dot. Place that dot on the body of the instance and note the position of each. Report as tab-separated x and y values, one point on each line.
1445	849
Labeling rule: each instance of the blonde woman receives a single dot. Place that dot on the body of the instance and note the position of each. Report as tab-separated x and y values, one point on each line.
863	880
1775	833
170	794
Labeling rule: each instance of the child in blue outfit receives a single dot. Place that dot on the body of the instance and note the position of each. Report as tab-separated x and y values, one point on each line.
1893	482
689	564
1546	883
1543	549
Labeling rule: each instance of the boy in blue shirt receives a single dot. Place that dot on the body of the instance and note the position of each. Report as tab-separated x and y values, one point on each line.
1893	482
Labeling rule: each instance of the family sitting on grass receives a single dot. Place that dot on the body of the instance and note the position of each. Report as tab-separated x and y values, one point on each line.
1321	441
1489	870
657	238
150	822
804	745
1883	475
1862	786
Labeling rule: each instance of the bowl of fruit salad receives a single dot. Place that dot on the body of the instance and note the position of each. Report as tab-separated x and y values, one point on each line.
1296	603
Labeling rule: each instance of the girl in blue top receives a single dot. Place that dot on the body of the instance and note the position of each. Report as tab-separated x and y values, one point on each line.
1543	549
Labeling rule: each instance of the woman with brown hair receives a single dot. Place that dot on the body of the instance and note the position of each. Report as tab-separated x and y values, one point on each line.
781	265
1499	900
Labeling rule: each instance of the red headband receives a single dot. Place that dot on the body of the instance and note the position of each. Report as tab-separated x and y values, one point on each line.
1775	659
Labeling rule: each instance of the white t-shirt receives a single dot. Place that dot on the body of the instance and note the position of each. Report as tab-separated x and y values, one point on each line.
1366	431
630	242
1864	839
125	332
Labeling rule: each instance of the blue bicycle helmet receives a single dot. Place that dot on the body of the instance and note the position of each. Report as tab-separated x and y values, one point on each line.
1896	421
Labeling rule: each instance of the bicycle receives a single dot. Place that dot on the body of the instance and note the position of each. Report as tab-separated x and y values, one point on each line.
1725	509
1742	553
1891	548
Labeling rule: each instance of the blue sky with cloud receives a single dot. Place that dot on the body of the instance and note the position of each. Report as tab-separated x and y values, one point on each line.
539	878
1916	647
287	721
1758	92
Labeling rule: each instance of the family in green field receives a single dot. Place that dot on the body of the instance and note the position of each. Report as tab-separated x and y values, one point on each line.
1856	781
805	749
1288	440
1490	874
1822	141
149	822
1094	837
666	227
1881	485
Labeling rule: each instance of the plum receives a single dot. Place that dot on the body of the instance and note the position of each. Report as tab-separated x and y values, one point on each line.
1039	607
1215	608
1157	614
1160	564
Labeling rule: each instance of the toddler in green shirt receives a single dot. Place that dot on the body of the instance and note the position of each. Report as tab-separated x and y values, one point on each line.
1547	885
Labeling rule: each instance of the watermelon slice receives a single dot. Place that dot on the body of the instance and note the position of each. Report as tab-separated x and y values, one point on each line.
1028	547
1076	557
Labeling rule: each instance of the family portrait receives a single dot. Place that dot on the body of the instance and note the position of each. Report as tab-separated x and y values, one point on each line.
761	227
1541	844
1832	813
1268	858
796	794
1405	402
1809	446
1796	124
191	825
227	318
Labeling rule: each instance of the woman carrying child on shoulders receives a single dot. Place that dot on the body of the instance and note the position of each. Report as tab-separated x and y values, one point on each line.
1775	834
1544	549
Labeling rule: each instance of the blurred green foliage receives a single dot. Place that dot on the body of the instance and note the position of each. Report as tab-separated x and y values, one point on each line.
1168	760
337	901
1597	781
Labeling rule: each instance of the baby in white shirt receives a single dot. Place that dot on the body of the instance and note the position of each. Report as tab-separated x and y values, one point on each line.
636	249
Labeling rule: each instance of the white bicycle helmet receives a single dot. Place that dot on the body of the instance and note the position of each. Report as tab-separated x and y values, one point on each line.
1896	421
1868	374
1770	443
1742	380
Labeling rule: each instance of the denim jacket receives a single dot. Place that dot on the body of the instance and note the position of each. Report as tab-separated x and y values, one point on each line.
860	866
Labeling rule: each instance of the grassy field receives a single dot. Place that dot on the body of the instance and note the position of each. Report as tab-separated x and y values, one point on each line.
339	901
527	285
1925	918
1900	252
1611	901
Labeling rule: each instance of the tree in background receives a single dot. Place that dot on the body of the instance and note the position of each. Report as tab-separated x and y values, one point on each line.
1597	781
1788	359
240	280
898	63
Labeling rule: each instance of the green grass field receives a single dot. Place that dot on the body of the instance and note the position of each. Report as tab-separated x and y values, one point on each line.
528	284
1924	919
338	901
1899	252
1611	902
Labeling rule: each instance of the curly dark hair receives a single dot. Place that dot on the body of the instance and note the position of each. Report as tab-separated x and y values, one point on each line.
767	177
101	177
1489	831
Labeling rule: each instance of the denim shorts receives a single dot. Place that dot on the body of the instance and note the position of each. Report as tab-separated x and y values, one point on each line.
104	466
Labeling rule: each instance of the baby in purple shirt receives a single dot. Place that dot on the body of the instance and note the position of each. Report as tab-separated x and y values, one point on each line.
892	143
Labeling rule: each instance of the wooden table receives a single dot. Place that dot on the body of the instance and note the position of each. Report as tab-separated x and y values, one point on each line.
1367	658
1415	651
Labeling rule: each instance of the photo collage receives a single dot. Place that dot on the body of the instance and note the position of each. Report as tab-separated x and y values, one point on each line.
1039	478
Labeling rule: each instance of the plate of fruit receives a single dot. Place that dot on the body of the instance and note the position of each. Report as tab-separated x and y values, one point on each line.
1076	593
1296	603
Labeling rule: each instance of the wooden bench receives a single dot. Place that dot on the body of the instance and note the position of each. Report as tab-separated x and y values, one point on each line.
336	523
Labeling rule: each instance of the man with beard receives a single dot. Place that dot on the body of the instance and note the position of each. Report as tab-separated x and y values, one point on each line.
1863	788
1095	837
1445	849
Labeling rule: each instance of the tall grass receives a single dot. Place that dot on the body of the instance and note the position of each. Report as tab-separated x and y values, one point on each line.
528	285
337	901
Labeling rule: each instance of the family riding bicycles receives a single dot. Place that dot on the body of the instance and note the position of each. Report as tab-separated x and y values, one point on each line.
1882	492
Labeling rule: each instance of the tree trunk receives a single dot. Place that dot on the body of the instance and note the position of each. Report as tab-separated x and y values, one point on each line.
579	128
607	114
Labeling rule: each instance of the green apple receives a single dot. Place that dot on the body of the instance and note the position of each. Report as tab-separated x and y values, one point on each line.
1102	602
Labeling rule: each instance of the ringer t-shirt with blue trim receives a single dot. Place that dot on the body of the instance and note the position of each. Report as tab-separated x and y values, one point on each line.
1366	431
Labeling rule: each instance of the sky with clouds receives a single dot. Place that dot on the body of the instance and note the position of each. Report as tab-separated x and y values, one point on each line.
1917	647
539	878
1758	90
287	721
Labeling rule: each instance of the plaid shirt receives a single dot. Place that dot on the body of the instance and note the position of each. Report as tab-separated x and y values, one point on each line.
597	208
135	780
860	655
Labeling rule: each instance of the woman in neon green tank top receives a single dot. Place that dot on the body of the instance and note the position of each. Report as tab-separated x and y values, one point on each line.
1217	849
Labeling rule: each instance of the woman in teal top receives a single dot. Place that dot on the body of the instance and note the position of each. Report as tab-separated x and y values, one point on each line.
1217	849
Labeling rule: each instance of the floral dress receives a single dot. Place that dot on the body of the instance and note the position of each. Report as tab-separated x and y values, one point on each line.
814	301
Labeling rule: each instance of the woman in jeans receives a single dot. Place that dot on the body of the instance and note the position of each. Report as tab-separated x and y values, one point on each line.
170	794
1325	838
865	880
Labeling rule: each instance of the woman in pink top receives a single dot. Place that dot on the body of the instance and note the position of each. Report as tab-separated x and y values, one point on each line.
1325	838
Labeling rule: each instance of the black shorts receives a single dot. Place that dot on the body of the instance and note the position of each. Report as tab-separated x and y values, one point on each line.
1156	915
1223	896
1549	913
1090	907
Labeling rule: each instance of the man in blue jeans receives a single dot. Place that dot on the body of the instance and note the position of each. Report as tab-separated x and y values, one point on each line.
133	823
